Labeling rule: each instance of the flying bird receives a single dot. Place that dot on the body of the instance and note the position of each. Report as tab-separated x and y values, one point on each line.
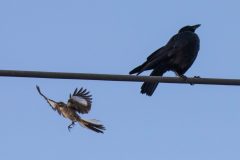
78	103
177	55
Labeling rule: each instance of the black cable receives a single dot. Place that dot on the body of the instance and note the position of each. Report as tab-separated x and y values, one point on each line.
115	77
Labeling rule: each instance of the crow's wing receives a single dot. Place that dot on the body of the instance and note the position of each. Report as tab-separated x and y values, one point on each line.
157	53
80	101
52	103
163	52
175	46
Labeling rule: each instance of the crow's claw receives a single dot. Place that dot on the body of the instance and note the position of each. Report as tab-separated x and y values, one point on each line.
185	78
196	77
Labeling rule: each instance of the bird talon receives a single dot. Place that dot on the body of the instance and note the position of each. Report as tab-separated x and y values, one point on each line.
196	77
186	79
71	126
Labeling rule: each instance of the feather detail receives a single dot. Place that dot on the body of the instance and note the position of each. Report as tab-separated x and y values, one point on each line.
52	103
99	128
80	101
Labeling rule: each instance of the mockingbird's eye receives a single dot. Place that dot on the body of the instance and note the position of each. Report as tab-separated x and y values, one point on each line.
61	104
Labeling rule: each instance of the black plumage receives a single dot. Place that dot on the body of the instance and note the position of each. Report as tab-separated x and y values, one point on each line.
79	102
177	55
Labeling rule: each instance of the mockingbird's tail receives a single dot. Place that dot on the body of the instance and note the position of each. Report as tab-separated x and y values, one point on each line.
92	124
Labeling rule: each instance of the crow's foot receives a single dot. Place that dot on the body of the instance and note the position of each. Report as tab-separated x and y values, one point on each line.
196	77
185	78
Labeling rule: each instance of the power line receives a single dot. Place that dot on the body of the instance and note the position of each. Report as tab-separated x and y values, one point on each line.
115	77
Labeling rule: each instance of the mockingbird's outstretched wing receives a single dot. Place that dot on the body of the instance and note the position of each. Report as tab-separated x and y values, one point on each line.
55	106
80	101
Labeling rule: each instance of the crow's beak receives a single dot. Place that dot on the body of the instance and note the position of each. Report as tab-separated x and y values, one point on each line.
196	26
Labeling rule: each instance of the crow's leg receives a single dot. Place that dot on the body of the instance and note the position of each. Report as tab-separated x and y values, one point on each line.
70	126
185	78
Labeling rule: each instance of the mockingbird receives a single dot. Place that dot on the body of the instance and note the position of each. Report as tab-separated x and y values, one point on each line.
79	102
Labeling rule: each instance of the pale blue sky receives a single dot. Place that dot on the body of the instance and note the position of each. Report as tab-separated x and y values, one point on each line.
179	122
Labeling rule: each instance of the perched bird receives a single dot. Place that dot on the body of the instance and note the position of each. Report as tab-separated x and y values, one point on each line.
177	55
79	102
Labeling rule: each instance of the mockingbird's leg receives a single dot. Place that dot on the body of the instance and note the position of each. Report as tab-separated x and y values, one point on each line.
71	126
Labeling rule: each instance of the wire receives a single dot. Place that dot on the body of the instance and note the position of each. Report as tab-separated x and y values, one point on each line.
115	77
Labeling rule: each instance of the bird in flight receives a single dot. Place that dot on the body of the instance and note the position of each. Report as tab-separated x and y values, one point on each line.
79	102
177	55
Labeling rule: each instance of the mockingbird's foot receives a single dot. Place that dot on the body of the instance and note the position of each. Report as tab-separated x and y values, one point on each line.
71	126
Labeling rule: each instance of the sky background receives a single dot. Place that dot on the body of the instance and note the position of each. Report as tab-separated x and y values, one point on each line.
179	122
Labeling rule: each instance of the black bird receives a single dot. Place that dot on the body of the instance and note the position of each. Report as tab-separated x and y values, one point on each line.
79	102
177	55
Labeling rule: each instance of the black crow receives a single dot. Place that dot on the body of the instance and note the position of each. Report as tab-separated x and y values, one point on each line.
177	55
79	102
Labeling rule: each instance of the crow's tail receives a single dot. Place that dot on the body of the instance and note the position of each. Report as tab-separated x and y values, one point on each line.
92	124
149	87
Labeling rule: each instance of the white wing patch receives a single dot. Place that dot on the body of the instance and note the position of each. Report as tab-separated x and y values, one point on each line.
80	100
